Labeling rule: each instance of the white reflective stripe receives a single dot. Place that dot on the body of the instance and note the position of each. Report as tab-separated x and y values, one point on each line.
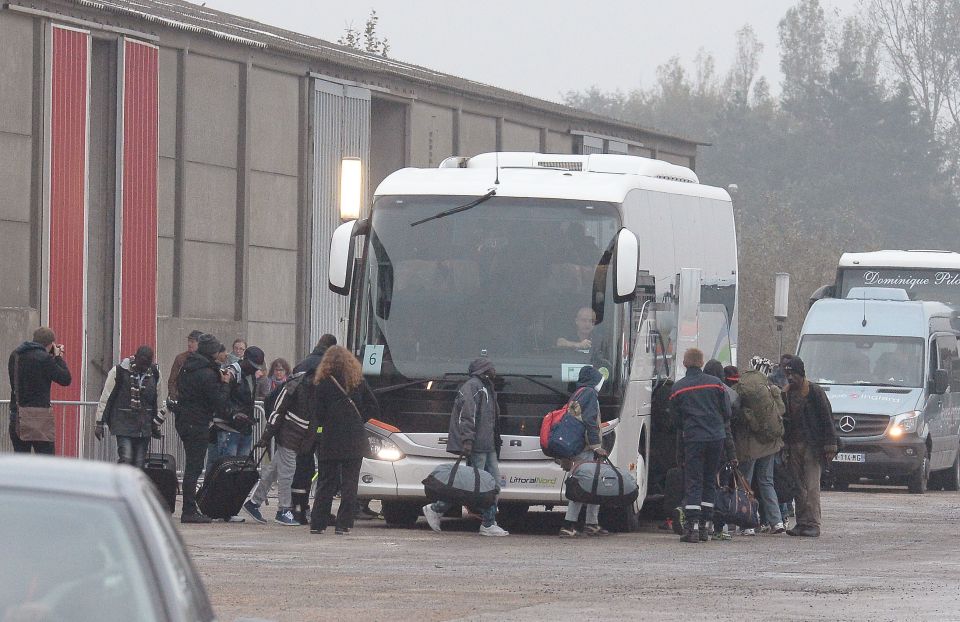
691	507
706	505
297	419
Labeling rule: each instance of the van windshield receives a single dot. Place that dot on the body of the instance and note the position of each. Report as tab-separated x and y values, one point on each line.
523	281
863	360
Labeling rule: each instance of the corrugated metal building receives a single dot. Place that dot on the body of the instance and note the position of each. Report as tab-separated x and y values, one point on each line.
166	167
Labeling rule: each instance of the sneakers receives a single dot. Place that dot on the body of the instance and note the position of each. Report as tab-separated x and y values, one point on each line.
722	536
690	533
316	530
195	517
806	531
493	530
236	519
342	531
778	528
253	510
285	517
705	528
432	516
595	530
569	532
748	532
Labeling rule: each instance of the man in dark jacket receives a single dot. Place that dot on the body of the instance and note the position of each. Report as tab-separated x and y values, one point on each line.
202	393
702	409
128	406
178	363
306	463
234	427
810	439
473	434
31	368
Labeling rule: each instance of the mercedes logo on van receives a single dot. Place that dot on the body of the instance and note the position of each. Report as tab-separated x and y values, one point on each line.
847	424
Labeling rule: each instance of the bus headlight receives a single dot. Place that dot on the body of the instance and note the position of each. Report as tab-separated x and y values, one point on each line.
905	423
383	449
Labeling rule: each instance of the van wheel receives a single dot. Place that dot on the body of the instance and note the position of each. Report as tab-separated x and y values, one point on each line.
917	484
951	477
620	519
400	513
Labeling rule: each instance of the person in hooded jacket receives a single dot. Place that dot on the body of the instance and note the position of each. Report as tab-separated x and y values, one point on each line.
340	404
128	406
234	428
473	435
307	462
32	367
203	394
587	395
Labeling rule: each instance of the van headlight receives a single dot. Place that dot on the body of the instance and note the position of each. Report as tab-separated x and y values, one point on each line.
904	423
383	448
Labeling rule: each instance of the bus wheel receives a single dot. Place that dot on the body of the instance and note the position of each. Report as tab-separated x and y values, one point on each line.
513	517
400	513
620	519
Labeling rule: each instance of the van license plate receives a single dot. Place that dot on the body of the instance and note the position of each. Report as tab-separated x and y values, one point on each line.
849	457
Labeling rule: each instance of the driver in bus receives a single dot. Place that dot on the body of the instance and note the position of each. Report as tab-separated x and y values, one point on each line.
585	323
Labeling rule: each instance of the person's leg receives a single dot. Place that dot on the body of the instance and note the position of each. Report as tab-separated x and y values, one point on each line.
213	449
808	494
766	491
573	514
747	468
300	486
124	450
713	451
593	514
487	461
693	467
140	448
286	460
328	478
194	449
244	444
268	475
229	443
350	480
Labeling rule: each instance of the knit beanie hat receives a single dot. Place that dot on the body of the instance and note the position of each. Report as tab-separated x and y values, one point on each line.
208	345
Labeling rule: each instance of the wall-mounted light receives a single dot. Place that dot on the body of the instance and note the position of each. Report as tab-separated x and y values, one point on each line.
351	188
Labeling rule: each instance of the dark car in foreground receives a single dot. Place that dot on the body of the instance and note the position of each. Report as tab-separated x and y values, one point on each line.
86	541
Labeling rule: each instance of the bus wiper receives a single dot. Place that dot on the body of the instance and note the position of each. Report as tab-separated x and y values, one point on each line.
412	383
867	383
534	380
456	210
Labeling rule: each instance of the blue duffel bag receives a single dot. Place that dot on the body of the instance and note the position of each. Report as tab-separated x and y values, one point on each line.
461	484
601	483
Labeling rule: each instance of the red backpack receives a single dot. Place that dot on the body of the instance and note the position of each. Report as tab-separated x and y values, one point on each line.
553	418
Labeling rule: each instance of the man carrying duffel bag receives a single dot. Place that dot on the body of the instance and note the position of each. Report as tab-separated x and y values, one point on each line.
587	396
472	435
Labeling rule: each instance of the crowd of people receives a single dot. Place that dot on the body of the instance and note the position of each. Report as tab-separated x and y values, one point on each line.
751	422
758	422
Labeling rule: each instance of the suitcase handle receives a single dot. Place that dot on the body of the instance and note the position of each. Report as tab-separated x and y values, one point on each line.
258	460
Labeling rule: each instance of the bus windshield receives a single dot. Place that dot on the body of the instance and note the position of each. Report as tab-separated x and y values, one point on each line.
523	281
863	360
936	284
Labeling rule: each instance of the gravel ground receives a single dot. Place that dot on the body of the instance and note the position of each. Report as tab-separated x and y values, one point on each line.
884	555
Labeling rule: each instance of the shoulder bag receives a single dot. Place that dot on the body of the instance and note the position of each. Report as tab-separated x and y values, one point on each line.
34	423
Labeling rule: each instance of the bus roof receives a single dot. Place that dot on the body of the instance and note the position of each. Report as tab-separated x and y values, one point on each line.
586	178
901	259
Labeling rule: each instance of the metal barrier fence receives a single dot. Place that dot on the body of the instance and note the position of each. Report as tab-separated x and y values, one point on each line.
82	417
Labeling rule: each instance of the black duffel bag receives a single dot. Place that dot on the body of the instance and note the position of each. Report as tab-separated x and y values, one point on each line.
736	503
461	484
600	483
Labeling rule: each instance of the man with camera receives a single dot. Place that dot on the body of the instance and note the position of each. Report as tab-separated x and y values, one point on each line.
32	367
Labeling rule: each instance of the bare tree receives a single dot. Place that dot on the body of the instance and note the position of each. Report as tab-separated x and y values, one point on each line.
922	41
745	64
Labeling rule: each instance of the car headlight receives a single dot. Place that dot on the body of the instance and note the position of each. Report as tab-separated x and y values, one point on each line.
904	423
383	448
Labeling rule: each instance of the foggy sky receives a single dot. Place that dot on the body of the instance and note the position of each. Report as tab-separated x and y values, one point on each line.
543	48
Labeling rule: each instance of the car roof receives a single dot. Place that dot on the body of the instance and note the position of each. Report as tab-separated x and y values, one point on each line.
67	475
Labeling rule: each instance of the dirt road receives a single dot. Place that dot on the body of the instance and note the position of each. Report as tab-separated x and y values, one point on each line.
884	555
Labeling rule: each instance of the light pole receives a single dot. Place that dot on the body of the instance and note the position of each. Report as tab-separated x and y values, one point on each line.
781	299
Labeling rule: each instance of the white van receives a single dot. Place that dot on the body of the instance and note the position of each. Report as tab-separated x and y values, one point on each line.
891	371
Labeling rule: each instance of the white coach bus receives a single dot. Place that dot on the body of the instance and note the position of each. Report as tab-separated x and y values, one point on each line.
929	275
544	264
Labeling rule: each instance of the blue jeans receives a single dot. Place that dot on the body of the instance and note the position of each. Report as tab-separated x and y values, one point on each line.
574	507
766	493
485	461
228	444
132	450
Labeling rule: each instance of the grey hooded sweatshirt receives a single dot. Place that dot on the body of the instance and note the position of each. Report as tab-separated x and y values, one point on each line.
474	416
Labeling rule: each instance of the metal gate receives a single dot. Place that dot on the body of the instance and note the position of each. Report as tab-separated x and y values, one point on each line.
341	122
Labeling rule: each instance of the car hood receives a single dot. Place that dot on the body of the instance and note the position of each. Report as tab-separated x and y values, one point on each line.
872	400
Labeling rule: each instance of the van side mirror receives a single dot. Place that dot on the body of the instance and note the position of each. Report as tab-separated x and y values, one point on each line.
825	291
939	382
341	258
627	262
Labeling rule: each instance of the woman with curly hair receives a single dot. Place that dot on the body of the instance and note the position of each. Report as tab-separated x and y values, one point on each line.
341	402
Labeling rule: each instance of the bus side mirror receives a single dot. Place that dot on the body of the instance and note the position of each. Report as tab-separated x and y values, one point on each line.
341	258
627	263
939	382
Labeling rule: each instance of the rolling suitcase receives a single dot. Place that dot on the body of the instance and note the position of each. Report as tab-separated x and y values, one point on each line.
161	468
227	485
